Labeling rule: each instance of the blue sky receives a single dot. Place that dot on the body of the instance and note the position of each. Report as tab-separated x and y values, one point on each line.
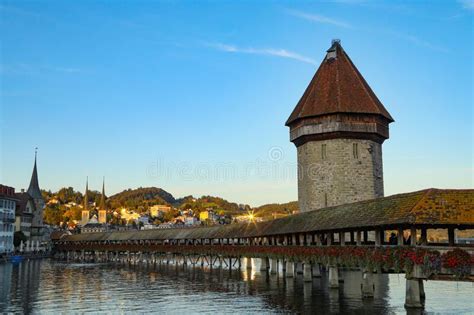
193	96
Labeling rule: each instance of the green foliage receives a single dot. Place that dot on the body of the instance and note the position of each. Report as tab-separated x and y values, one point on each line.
53	214
170	215
141	199
269	210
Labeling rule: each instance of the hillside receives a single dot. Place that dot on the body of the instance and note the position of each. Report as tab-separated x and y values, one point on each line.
275	209
145	197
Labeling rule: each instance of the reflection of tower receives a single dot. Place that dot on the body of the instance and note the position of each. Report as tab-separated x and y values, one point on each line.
85	209
35	192
102	206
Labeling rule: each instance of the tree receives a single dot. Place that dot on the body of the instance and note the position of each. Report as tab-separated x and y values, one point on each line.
53	215
73	213
170	215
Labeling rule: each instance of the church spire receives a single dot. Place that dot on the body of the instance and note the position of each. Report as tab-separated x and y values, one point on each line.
102	198
86	197
34	190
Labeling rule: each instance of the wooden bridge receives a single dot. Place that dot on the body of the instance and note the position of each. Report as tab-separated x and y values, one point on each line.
347	236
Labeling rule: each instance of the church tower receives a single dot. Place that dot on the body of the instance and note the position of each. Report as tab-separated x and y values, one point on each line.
338	128
102	205
34	191
85	209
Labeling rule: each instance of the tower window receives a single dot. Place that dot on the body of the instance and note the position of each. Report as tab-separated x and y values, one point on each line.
355	150
323	151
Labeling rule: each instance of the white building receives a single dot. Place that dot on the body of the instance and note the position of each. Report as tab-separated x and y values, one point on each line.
191	221
7	218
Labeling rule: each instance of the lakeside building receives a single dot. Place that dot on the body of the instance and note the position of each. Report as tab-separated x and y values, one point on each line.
159	210
209	215
25	208
7	218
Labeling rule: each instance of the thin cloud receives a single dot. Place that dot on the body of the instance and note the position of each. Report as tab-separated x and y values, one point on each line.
276	52
467	4
319	18
416	40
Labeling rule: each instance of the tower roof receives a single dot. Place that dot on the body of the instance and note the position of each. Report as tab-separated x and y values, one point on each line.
337	87
34	190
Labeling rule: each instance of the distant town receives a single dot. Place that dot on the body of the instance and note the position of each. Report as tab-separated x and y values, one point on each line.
30	219
147	208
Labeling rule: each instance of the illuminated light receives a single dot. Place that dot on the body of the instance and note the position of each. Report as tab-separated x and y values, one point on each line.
251	216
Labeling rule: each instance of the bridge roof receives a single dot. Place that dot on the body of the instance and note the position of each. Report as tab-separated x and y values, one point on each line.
430	207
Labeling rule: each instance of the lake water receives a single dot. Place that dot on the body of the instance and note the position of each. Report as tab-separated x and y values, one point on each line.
47	286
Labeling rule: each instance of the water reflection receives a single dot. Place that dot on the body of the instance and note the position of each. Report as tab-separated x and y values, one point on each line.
48	286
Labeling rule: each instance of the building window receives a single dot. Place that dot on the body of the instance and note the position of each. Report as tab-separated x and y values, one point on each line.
323	151
355	150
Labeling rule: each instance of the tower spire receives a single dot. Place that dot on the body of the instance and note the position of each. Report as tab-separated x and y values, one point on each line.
34	190
102	198
86	197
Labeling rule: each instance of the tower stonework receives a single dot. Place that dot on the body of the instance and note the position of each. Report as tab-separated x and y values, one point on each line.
338	127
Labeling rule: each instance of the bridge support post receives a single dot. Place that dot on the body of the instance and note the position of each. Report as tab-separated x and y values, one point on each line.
367	286
358	238
400	239
264	264
333	277
307	277
274	268
330	238
248	263
316	271
414	297
413	236
451	236
290	269
318	240
424	238
378	237
299	268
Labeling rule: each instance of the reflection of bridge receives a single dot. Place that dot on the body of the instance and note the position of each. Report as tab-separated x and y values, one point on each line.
351	235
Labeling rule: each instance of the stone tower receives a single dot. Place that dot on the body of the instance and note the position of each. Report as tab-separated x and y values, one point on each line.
85	209
102	205
37	228
338	127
